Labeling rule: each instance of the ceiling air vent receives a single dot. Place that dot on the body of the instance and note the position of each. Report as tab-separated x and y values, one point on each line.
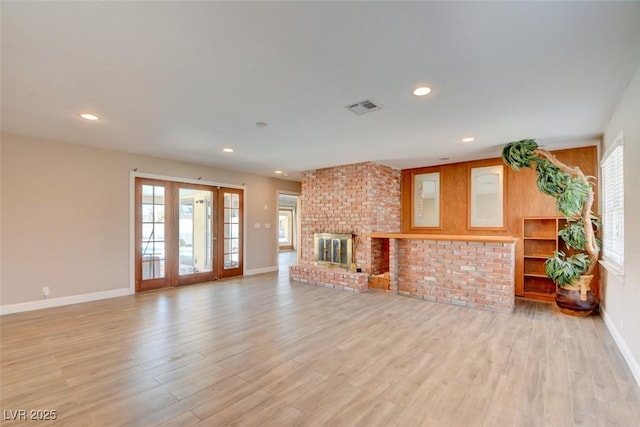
363	107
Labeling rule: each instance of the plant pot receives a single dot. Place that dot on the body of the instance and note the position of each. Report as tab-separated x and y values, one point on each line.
577	299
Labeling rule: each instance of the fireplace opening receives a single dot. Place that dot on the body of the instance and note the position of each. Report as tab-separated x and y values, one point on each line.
335	250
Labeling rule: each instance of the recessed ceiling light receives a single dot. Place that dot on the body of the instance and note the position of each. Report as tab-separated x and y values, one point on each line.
88	116
261	124
228	150
444	158
422	91
279	172
468	139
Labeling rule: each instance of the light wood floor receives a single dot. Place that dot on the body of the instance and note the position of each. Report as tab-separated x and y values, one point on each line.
261	351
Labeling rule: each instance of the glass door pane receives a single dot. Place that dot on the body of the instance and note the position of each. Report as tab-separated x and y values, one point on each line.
195	234
231	230
153	258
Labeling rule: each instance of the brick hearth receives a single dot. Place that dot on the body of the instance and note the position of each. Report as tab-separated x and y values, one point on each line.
330	277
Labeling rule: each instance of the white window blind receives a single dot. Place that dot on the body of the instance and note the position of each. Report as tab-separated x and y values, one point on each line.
613	205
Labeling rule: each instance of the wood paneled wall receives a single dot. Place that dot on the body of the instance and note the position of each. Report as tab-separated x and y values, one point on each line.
522	197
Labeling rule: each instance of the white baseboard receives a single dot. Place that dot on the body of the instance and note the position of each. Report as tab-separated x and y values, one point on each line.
57	302
622	345
253	271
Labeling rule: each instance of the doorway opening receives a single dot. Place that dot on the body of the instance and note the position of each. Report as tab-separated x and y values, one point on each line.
288	229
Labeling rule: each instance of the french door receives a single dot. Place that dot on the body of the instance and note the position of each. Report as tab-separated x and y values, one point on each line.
186	233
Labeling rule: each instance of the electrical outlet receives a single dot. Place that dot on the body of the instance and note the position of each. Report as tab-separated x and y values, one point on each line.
45	291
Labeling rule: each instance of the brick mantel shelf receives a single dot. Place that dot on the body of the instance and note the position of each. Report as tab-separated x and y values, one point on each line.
449	237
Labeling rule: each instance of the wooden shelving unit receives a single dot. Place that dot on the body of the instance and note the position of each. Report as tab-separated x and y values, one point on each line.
540	235
540	240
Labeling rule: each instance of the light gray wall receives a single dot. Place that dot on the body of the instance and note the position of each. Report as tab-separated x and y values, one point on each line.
621	297
65	216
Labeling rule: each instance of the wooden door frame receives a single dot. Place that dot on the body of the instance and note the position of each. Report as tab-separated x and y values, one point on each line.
132	209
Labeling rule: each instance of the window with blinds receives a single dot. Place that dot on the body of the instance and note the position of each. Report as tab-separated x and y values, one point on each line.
613	205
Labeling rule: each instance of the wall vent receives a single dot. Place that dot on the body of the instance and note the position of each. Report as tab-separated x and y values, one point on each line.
363	107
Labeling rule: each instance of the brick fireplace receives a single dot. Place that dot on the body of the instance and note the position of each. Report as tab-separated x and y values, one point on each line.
363	200
356	199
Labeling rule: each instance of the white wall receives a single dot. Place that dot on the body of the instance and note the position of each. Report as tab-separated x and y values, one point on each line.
65	216
621	297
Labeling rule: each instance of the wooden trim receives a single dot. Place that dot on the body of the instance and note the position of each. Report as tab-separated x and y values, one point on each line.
519	269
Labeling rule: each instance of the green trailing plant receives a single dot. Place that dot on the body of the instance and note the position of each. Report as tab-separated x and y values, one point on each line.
573	233
521	154
551	180
565	270
571	199
573	193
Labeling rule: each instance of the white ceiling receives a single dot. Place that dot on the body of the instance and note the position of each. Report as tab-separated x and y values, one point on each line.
185	79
